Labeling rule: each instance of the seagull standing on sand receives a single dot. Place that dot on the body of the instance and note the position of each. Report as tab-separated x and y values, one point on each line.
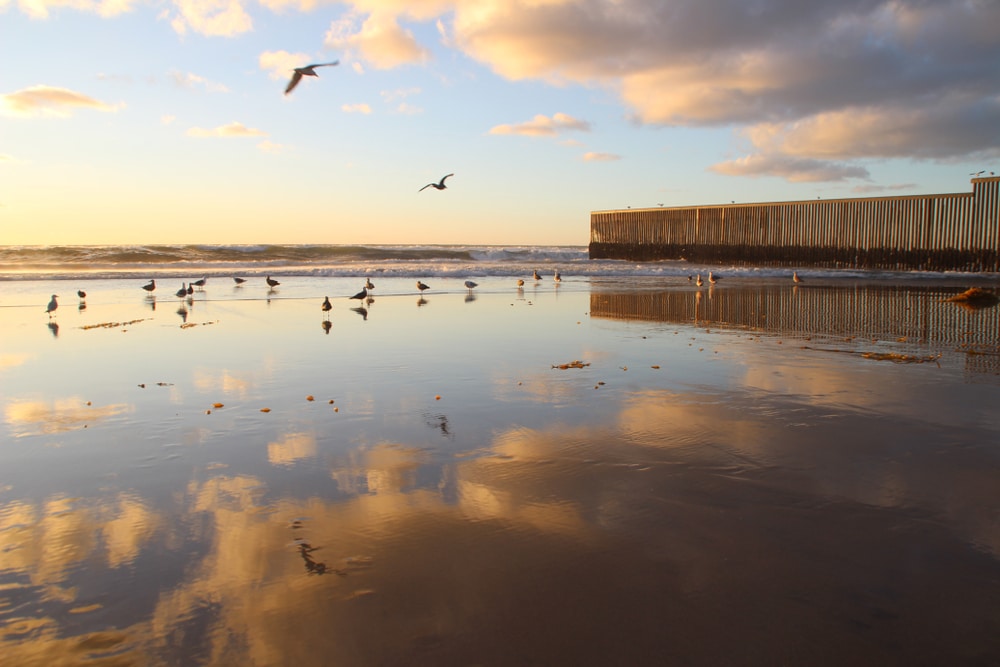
369	284
437	186
422	287
271	282
80	293
200	283
51	308
470	284
362	294
182	292
308	70
150	286
327	306
239	281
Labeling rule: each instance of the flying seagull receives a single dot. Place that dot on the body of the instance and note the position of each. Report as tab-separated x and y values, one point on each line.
308	70
437	186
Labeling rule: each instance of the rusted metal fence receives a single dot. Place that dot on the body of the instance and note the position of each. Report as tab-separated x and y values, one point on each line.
930	232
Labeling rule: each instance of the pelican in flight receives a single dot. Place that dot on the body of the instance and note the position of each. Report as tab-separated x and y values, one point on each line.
308	70
437	186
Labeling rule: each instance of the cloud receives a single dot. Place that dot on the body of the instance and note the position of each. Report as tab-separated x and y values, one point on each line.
876	189
600	157
271	147
234	129
40	9
213	18
167	119
379	40
794	169
279	64
356	108
49	101
543	126
190	80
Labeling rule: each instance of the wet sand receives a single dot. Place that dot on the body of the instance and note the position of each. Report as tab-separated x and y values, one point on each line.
758	475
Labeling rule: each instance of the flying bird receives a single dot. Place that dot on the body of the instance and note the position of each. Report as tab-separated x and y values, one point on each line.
51	308
150	286
437	186
308	70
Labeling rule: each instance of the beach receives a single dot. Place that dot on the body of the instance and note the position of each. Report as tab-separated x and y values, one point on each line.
611	469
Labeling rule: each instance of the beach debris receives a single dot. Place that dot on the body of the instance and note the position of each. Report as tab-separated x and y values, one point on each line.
975	297
437	397
218	405
573	364
265	409
112	325
310	397
894	357
655	367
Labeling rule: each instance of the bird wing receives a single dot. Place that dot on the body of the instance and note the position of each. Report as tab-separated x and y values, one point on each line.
335	62
425	187
442	180
294	82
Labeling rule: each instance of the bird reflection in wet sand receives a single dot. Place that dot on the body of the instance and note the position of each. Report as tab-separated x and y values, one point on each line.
421	302
470	297
439	422
151	300
54	328
362	311
183	312
327	325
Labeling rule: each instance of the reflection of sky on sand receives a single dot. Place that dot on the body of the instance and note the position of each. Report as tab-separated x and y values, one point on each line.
743	485
60	415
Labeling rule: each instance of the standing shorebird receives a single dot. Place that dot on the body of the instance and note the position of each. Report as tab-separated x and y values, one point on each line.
51	308
437	186
239	281
369	284
698	281
557	277
534	274
80	293
795	277
150	286
182	292
520	282
308	70
200	283
327	306
711	278
471	285
362	294
271	282
422	287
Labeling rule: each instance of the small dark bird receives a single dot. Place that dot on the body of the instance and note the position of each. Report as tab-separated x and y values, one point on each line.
711	278
369	284
190	290
437	186
200	283
699	281
795	277
271	282
471	285
150	286
535	275
557	277
308	70
182	292
327	306
520	282
80	293
362	294
51	308
422	287
239	281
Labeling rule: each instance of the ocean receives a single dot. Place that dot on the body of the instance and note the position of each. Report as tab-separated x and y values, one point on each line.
402	261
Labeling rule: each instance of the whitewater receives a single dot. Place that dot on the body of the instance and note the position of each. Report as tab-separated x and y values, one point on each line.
403	261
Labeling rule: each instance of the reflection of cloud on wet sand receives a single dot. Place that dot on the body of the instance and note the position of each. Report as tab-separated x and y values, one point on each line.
291	448
226	382
11	360
67	414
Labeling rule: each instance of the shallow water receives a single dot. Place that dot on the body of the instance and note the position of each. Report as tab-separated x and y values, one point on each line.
756	475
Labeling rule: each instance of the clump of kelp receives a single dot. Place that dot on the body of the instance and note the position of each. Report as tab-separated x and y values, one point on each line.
975	298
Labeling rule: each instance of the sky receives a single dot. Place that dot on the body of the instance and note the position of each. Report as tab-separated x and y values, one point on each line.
140	122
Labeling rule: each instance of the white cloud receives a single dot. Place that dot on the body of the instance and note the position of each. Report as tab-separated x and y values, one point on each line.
600	157
190	80
356	108
167	119
49	101
213	18
543	126
794	169
40	9
234	129
279	64
267	146
379	40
